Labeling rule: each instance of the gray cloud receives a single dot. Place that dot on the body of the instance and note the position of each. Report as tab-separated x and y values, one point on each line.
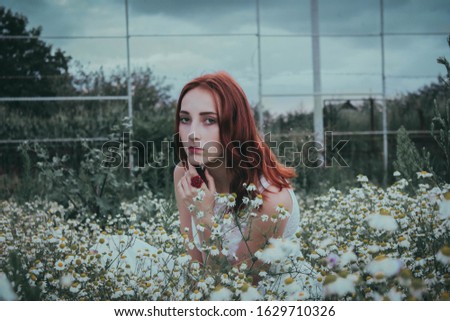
349	64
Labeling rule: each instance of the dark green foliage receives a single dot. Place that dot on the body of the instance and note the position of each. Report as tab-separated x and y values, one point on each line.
409	161
28	66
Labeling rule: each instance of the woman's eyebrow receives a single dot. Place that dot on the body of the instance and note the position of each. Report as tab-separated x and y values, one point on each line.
201	114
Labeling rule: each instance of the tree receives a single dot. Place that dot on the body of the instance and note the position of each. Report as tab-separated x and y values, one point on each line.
28	66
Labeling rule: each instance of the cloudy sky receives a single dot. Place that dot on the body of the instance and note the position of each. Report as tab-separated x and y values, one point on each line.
350	43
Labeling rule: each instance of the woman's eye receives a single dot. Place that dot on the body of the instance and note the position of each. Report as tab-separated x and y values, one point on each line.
184	120
210	121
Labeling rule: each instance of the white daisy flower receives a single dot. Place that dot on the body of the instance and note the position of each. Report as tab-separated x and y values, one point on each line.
347	258
397	174
384	266
382	221
249	293
251	187
222	198
75	287
221	293
196	295
227	219
225	251
60	265
214	250
200	195
362	178
231	202
340	286
444	207
129	291
264	217
423	174
258	201
443	255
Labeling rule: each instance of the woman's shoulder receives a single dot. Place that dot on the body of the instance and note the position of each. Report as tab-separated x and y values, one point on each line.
278	197
274	196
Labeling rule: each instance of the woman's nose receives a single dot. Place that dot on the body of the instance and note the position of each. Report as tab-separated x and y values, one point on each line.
193	135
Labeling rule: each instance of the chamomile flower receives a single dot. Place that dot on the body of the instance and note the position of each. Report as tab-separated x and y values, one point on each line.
423	174
227	219
249	293
397	174
231	202
383	221
202	285
251	187
362	178
196	295
444	207
214	250
347	258
264	217
60	265
225	251
129	291
443	255
200	195
258	201
75	287
221	293
222	198
335	284
384	266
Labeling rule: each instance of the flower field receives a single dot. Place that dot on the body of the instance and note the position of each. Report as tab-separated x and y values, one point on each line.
367	243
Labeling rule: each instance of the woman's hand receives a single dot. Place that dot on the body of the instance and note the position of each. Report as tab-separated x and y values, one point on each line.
190	194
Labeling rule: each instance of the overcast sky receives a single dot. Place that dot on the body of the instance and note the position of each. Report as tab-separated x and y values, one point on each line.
349	64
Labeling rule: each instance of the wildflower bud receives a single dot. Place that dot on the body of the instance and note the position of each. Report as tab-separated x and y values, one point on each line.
329	279
288	280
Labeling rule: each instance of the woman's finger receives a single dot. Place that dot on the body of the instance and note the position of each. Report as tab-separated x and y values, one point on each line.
181	191
186	186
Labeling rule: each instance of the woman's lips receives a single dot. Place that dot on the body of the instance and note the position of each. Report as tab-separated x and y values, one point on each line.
195	150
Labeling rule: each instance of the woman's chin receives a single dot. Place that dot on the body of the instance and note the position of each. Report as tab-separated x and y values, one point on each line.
195	160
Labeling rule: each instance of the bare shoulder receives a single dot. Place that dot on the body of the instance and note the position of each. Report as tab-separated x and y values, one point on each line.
274	197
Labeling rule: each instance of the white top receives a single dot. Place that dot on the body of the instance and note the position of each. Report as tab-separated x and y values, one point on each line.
231	234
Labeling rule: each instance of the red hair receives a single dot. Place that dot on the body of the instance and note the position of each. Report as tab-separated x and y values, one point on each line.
239	135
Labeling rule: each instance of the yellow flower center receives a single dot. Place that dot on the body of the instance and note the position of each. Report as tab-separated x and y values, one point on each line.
329	279
289	280
446	250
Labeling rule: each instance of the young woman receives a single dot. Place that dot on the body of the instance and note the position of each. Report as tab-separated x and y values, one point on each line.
221	152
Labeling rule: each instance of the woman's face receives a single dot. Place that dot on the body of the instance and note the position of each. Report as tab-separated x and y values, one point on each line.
199	128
